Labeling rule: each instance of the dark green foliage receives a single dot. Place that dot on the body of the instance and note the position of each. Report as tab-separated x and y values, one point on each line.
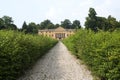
91	20
46	24
96	23
2	26
66	24
76	24
100	51
19	51
6	22
31	28
57	25
112	23
24	27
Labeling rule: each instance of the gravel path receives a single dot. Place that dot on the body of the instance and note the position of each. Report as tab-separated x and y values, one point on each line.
58	64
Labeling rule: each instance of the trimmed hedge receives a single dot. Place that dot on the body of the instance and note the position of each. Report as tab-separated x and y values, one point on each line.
18	51
100	51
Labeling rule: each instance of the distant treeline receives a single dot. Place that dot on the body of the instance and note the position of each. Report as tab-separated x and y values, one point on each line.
96	23
92	22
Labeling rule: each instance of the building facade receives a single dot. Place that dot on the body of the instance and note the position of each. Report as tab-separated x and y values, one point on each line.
58	33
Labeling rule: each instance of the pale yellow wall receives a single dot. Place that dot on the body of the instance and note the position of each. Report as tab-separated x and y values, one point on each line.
52	33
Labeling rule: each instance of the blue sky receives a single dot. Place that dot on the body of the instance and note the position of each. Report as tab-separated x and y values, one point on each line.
56	10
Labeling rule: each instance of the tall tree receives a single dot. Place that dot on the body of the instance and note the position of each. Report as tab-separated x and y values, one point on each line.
46	24
66	24
32	28
118	25
57	25
7	20
102	23
8	23
13	27
24	27
2	24
91	20
112	23
76	24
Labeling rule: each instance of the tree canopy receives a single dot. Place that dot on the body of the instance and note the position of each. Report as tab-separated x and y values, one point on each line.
31	28
46	24
92	22
6	22
76	24
96	23
66	24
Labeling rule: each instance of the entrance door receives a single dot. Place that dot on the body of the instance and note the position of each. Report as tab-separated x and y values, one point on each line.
60	35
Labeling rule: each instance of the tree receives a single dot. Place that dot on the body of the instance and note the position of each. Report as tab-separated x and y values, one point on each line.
91	20
13	27
118	24
24	27
50	26
46	24
2	24
66	24
112	23
32	28
102	23
57	25
76	24
6	22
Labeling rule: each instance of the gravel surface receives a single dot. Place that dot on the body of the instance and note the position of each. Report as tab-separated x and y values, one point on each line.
58	64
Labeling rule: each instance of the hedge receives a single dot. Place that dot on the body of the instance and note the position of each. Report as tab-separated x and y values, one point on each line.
100	51
18	51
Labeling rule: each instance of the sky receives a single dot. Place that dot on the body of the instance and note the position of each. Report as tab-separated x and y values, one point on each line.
56	10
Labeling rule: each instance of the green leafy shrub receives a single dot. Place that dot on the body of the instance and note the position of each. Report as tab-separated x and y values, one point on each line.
18	51
100	51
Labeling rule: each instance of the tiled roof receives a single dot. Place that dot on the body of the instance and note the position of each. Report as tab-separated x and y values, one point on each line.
57	29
